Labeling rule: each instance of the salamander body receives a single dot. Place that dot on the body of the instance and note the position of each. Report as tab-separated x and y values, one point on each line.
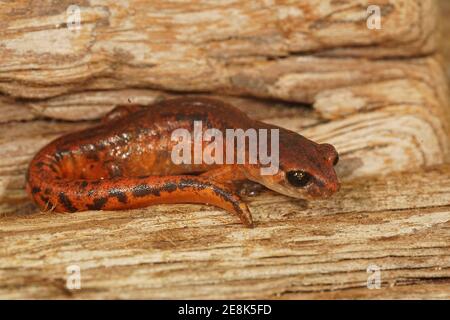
126	162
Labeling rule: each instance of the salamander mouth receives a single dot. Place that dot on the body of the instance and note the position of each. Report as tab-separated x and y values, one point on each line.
297	193
310	192
282	186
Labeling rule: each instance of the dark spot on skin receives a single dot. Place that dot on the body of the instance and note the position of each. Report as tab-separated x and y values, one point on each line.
170	187
58	156
101	146
120	195
65	201
83	184
53	168
48	191
39	164
92	155
35	190
98	204
61	153
114	170
142	190
192	183
48	203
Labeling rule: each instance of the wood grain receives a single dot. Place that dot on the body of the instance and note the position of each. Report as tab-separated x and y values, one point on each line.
197	46
443	43
379	96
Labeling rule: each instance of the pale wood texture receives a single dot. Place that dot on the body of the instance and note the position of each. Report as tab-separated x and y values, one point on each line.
199	45
444	44
379	96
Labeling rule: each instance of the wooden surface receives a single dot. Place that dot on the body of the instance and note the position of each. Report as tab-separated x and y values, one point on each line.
200	45
379	97
444	44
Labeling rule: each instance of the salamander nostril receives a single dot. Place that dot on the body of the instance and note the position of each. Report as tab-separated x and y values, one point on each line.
336	159
329	153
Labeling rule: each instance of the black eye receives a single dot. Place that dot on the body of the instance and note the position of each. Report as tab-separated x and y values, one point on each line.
336	160
298	178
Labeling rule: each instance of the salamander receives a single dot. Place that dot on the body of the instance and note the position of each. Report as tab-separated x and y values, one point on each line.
126	162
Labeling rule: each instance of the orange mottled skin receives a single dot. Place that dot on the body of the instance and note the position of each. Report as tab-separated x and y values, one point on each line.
125	162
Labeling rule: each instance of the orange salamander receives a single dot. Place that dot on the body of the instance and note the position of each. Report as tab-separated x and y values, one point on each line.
125	162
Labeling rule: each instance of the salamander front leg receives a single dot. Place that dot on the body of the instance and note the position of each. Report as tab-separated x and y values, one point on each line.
235	179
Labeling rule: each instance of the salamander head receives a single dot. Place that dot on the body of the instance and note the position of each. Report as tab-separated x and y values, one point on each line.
306	169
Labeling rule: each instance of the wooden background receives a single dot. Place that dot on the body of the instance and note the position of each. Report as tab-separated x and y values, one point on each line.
399	222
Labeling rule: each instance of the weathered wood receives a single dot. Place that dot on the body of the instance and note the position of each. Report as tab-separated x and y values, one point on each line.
444	44
320	249
199	45
379	96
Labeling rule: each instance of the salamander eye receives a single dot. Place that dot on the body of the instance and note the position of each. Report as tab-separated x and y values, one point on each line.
298	178
336	160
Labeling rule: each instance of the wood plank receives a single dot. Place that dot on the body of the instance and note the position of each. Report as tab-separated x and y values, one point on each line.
387	114
443	43
195	46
